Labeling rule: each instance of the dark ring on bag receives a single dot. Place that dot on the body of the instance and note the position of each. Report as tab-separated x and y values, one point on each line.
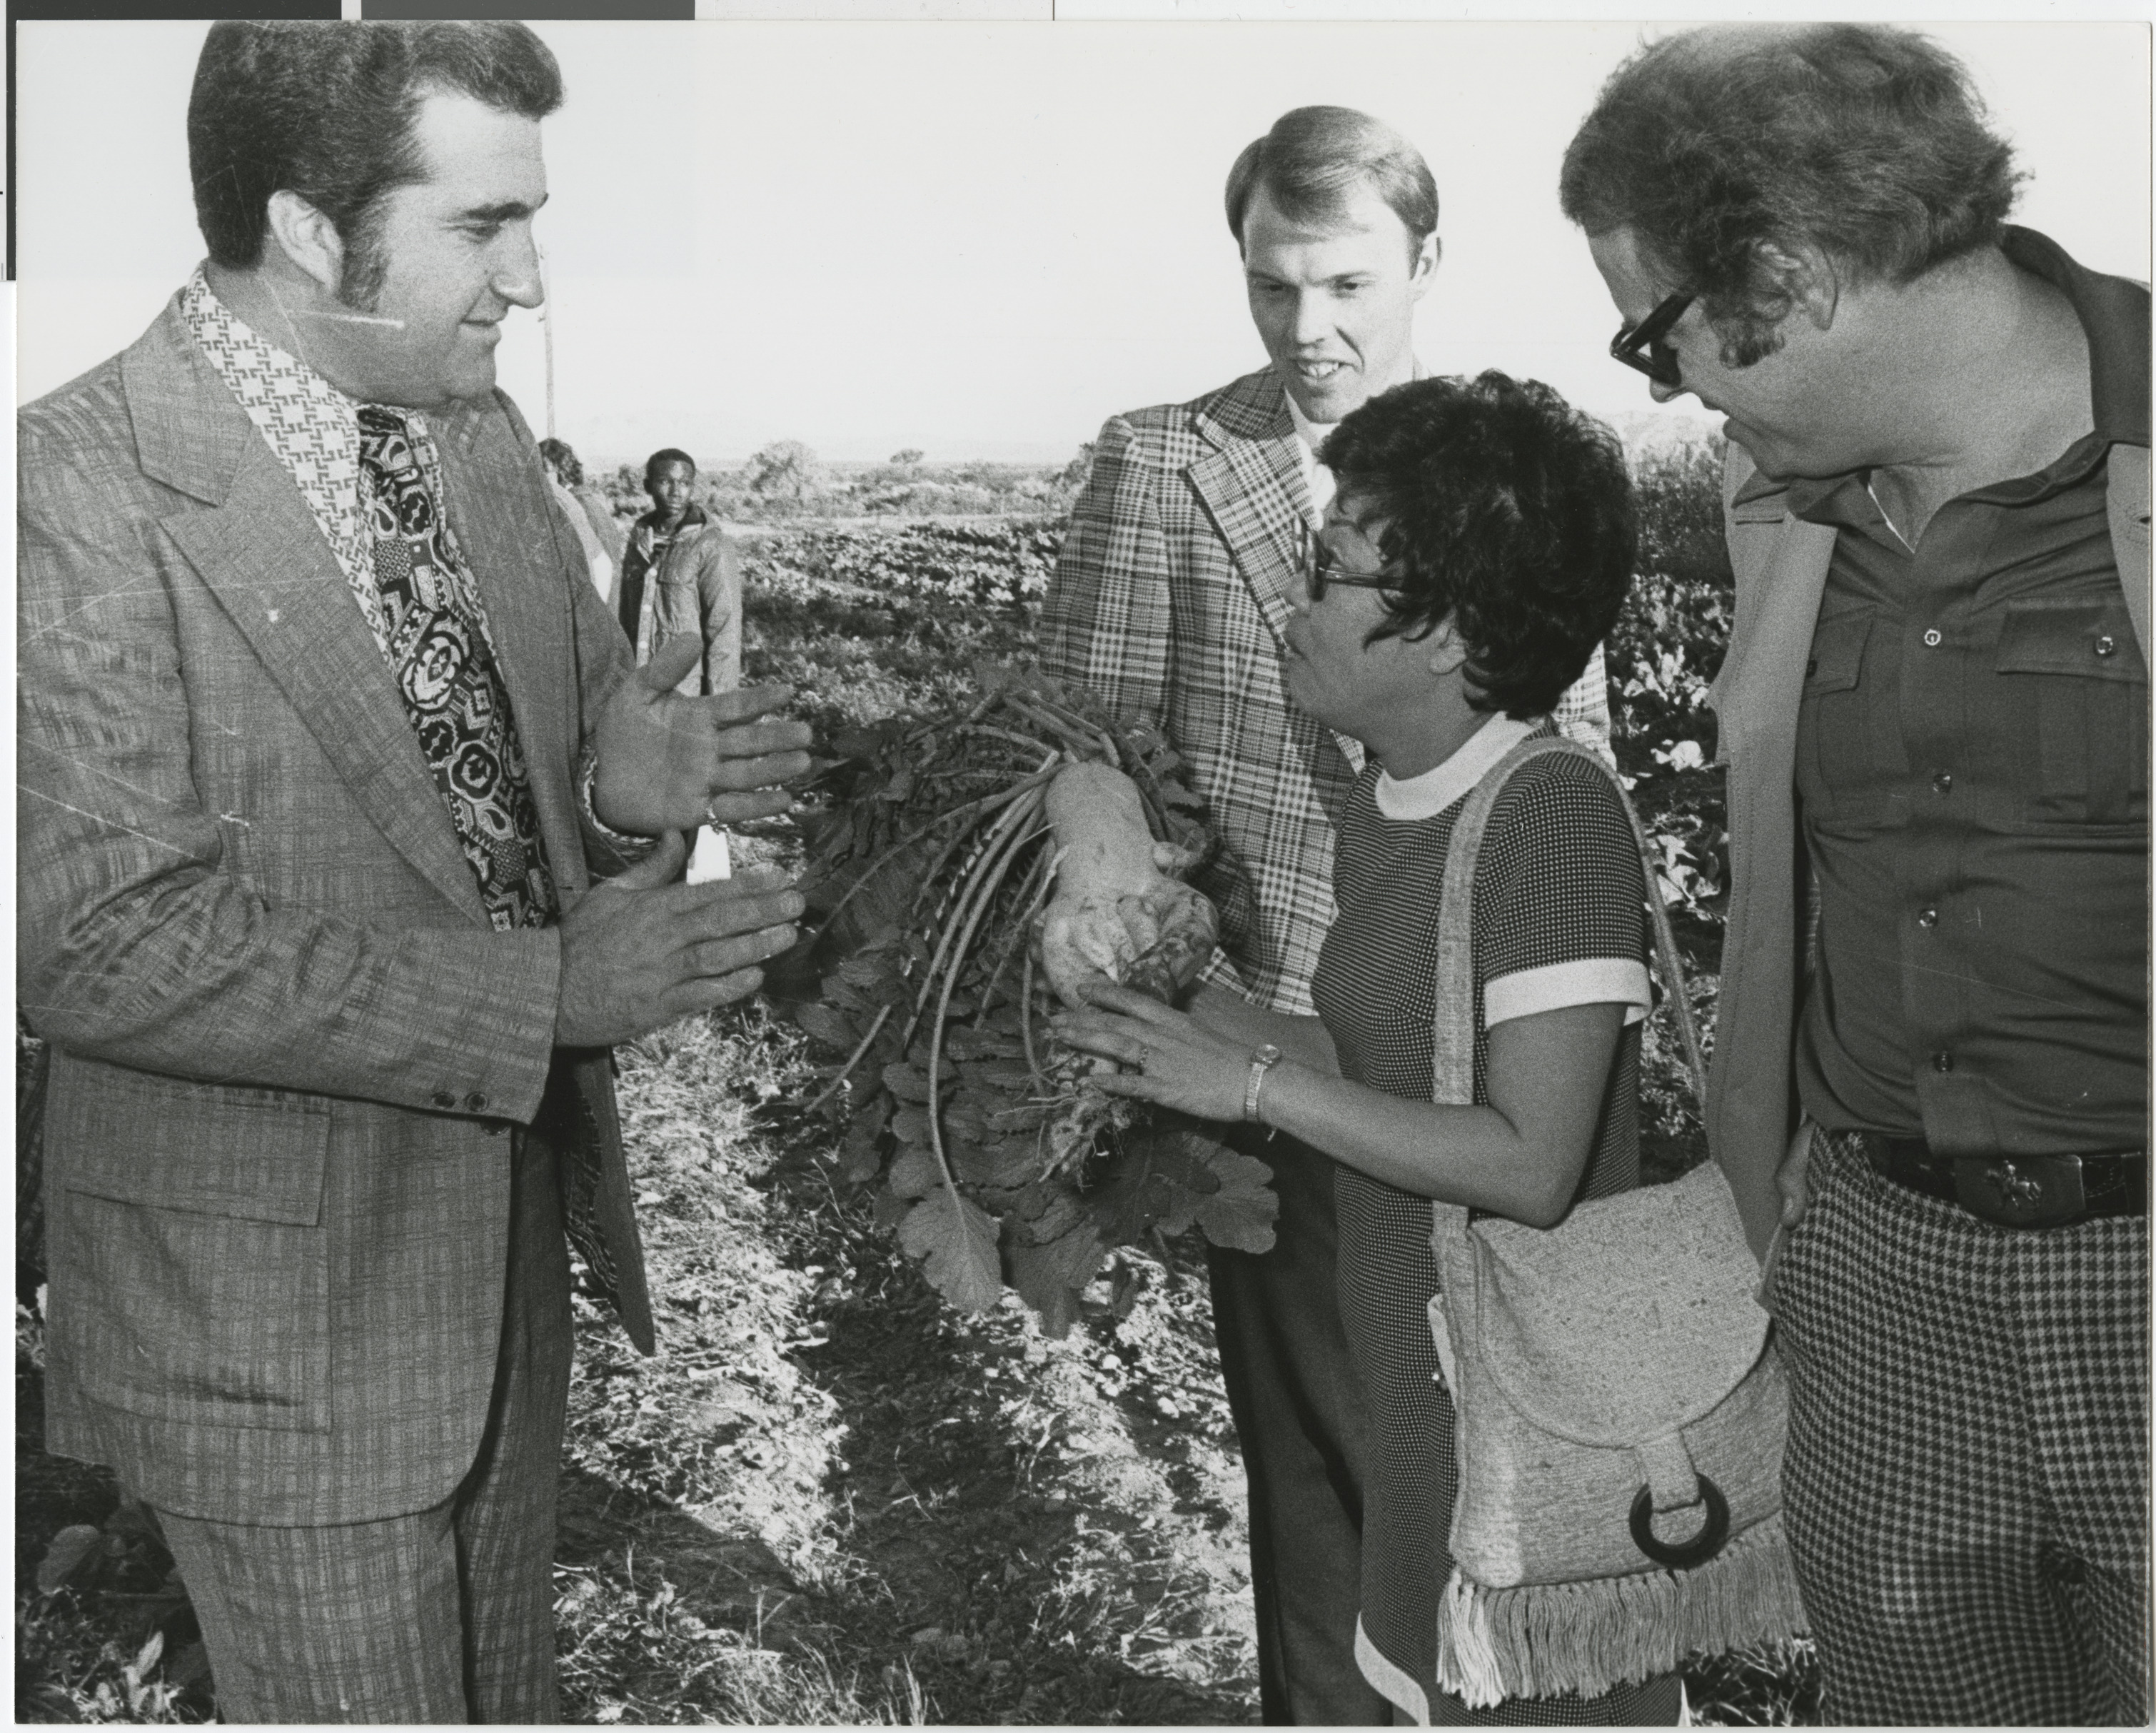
1684	1555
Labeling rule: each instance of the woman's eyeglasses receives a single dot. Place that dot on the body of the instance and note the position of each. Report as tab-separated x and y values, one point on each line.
1323	571
1641	347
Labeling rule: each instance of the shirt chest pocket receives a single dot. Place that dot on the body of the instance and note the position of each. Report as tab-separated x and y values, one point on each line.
1835	739
2073	683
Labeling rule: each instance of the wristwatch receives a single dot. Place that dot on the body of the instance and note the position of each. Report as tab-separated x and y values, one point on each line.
1261	1061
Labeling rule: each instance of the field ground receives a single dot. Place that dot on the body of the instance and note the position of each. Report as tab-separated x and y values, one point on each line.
827	1499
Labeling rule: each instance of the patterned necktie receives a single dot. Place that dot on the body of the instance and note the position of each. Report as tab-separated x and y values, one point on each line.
459	709
446	677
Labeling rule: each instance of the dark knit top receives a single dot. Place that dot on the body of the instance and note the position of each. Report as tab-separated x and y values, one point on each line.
1558	915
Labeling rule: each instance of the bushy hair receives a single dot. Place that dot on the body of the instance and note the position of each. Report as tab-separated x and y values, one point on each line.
1865	142
669	455
1314	157
557	453
326	109
1506	512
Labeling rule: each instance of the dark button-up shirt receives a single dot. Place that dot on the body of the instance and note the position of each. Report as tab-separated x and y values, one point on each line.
1972	781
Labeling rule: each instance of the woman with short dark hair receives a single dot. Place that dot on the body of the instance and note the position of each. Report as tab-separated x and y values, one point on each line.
1479	548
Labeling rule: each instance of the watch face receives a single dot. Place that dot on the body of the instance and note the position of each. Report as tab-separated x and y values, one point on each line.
1266	1055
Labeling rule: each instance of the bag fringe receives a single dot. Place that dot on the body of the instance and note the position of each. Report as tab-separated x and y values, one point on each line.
1545	1638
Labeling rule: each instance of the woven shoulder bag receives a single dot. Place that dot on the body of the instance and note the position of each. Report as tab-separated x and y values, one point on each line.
1620	1411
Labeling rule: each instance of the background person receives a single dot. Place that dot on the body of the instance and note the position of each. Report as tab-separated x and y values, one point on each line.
589	514
324	737
670	477
1936	698
681	577
1172	599
1478	549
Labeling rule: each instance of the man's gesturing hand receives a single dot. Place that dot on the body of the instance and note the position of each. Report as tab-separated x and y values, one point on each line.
639	951
670	763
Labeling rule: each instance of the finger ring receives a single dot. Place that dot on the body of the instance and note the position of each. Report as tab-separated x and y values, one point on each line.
1145	1056
711	817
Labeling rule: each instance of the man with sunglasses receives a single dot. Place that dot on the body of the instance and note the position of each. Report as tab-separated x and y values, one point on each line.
1171	598
1933	1007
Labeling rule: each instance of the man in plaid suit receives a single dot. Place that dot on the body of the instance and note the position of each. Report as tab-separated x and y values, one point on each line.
325	742
1170	599
1931	1078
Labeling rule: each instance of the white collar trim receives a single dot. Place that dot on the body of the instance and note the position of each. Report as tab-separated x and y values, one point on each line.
1426	795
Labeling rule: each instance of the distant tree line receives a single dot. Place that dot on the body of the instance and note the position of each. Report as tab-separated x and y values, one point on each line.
786	479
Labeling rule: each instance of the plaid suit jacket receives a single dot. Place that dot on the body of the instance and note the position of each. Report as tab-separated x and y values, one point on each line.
287	1048
1170	599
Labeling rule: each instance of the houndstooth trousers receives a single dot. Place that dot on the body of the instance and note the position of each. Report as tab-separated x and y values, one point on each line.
1968	1468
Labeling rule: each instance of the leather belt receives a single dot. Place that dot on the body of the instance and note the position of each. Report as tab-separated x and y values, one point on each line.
2017	1191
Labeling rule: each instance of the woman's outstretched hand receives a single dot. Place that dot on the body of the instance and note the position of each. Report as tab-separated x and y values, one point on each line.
1169	1059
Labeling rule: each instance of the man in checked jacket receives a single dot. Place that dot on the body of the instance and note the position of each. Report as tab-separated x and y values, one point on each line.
336	882
1170	599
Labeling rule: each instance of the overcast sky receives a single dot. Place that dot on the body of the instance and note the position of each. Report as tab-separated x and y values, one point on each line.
979	239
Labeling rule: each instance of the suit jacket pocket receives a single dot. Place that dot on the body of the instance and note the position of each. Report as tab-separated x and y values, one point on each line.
189	1267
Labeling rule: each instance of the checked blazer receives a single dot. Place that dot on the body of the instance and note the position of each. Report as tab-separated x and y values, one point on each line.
1171	598
290	1059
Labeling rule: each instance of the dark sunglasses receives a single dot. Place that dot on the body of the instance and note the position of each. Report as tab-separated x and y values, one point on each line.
1641	347
1321	572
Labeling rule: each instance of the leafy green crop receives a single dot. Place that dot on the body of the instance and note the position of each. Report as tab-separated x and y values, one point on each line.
986	565
998	1162
1662	655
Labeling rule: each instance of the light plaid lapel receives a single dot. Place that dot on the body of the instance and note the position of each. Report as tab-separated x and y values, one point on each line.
1252	487
260	550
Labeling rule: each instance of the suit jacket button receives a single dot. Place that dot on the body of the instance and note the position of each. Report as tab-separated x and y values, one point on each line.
476	1102
443	1098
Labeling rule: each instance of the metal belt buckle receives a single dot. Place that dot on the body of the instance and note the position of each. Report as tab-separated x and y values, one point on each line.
2020	1191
